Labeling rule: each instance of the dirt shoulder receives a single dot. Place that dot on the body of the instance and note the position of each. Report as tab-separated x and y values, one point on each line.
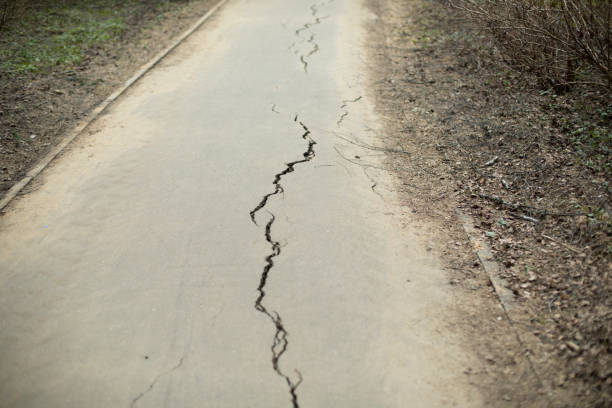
98	45
532	169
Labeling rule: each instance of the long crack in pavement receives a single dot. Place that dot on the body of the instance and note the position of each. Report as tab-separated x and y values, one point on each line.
280	342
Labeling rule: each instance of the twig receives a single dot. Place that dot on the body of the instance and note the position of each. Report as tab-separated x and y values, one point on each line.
499	201
492	161
530	219
369	147
562	244
411	81
347	139
516	207
551	303
355	162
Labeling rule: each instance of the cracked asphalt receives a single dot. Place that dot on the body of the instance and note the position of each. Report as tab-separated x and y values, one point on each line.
220	238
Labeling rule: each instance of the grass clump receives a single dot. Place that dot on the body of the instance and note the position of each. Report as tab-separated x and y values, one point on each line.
41	35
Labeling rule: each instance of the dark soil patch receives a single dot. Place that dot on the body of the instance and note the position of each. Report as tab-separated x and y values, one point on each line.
58	60
531	167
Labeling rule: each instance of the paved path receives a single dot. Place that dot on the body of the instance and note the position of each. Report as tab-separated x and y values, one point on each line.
221	238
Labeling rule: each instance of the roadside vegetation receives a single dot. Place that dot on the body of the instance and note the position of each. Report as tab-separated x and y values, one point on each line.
36	37
546	198
58	58
563	42
555	54
507	105
542	184
563	49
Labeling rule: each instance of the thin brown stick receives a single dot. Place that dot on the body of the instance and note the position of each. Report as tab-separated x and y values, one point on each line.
563	244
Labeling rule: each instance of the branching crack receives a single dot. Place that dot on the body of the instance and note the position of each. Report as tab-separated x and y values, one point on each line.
280	342
315	46
347	101
345	112
314	11
154	382
308	155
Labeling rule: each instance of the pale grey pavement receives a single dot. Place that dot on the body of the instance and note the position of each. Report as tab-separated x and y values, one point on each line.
133	275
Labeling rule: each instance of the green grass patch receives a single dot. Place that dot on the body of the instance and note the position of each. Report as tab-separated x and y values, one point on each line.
45	34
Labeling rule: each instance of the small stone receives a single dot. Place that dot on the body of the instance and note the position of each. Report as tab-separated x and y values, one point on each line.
573	346
560	380
506	398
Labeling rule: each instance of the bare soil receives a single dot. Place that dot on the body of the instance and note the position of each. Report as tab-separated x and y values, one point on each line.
37	108
533	170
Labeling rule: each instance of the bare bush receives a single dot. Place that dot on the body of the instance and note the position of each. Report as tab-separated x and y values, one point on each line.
7	9
563	41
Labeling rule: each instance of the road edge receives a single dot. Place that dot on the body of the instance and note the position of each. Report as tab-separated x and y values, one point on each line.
95	113
504	295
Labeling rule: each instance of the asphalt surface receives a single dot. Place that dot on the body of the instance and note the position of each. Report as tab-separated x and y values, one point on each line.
225	236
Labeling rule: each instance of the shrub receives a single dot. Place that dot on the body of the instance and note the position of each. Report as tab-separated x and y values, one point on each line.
7	9
564	42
